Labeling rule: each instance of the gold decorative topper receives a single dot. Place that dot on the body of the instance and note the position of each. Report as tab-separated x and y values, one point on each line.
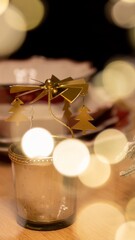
70	89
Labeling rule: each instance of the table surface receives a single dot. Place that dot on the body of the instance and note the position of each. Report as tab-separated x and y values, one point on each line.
101	211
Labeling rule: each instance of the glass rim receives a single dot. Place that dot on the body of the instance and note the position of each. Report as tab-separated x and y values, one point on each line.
16	154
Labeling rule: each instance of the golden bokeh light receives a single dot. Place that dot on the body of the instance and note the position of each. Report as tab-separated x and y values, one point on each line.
96	174
130	210
108	9
37	143
100	95
123	13
99	220
111	145
97	80
15	18
128	1
131	36
119	79
33	11
11	39
126	231
3	6
71	157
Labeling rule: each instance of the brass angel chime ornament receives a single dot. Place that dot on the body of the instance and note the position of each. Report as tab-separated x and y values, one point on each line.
69	89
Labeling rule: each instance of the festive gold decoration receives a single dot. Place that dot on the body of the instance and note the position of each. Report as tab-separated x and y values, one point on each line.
17	112
70	89
83	120
67	113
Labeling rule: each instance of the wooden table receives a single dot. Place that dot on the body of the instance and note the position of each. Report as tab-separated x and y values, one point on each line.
100	211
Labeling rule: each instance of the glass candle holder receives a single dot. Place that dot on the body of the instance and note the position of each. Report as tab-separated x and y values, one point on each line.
45	199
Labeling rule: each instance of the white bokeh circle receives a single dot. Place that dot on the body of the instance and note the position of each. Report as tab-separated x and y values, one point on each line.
37	142
71	157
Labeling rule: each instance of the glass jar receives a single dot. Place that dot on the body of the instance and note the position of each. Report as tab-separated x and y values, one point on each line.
45	199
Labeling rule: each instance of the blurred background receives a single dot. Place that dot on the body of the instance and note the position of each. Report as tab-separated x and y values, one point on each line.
88	30
94	39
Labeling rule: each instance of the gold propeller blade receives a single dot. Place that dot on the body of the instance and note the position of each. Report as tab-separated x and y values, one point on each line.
22	88
28	92
71	94
70	81
41	95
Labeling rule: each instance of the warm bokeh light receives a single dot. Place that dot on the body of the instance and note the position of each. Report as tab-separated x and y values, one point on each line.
123	13
3	5
131	36
96	174
111	145
119	79
129	1
99	220
33	11
71	157
37	143
11	39
126	231
97	79
15	19
100	98
130	210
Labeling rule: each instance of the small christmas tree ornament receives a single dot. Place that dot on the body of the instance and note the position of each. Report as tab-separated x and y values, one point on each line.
83	120
16	112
